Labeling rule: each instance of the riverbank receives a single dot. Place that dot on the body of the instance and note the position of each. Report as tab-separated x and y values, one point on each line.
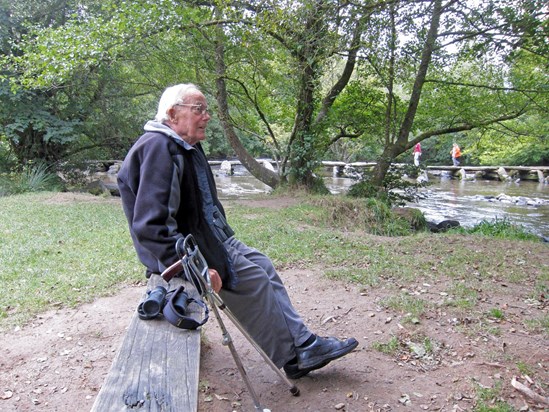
522	203
444	321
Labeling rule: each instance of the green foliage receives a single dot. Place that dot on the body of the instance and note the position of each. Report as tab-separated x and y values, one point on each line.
395	191
94	72
371	215
33	178
31	128
359	110
8	161
364	189
503	149
499	228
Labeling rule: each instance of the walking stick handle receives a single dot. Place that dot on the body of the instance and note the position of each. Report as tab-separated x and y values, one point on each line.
171	271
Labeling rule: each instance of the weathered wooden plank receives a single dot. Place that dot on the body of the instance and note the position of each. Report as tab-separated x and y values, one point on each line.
156	367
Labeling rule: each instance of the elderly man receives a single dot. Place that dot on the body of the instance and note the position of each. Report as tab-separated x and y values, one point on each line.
168	191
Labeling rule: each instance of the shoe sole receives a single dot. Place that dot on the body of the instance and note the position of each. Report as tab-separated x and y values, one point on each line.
299	373
320	361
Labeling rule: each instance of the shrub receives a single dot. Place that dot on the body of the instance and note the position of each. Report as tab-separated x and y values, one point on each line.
371	215
33	178
395	190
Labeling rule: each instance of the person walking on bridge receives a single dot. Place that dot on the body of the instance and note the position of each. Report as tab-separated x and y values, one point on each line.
417	153
456	154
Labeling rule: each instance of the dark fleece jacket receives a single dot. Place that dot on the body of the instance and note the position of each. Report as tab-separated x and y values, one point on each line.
162	202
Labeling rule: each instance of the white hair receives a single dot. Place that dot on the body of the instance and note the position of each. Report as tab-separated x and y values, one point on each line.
172	96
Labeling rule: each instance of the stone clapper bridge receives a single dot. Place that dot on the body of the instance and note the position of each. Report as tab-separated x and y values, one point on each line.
463	172
106	170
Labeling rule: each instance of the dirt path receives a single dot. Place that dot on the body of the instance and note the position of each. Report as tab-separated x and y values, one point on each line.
59	362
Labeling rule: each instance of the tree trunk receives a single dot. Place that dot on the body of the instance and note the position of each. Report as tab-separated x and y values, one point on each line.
303	143
391	150
257	170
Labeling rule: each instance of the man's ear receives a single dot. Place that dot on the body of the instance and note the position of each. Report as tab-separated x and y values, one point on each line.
171	114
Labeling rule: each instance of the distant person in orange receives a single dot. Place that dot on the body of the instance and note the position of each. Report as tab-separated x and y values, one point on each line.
417	154
456	154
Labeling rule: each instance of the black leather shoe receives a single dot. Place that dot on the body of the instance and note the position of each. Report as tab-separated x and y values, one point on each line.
293	372
322	351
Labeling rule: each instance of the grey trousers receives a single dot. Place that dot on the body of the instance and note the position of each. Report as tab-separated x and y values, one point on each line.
262	305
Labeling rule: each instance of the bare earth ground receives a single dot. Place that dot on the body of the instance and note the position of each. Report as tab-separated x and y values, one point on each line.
59	361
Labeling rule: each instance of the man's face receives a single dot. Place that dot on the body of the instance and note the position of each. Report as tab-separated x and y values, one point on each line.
189	119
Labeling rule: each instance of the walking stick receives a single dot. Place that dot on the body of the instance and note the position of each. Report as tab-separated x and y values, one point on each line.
196	271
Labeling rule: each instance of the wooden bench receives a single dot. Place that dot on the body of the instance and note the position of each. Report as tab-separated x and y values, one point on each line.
157	365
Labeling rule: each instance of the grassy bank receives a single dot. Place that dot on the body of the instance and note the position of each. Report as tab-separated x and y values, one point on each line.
63	249
60	250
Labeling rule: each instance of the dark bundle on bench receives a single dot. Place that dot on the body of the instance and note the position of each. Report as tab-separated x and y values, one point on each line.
156	368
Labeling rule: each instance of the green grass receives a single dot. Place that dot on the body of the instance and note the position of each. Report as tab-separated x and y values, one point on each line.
60	254
463	296
496	313
34	177
391	347
538	323
498	228
412	307
488	399
55	254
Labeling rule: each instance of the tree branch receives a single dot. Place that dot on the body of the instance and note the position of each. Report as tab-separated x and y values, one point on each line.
462	127
486	86
343	80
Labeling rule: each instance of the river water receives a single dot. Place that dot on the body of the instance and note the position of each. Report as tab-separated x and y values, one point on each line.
468	202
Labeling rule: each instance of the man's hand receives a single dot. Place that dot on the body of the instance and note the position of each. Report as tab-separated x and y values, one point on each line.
215	279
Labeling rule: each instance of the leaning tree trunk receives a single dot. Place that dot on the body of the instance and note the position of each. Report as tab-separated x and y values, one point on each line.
384	163
257	170
392	150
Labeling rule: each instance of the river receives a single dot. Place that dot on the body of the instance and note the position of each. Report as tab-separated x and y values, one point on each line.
468	202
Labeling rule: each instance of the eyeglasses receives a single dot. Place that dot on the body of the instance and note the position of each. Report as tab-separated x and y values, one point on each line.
196	108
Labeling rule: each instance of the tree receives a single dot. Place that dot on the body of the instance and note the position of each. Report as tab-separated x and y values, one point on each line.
439	101
297	78
53	121
307	44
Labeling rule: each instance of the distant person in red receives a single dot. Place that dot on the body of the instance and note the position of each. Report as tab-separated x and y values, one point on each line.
456	154
417	154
